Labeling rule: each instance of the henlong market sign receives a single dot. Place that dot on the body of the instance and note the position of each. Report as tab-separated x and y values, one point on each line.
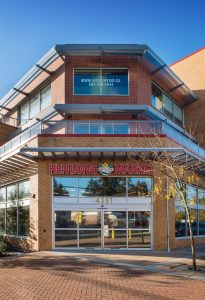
104	169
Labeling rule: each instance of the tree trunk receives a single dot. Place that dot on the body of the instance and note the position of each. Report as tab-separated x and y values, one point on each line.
192	241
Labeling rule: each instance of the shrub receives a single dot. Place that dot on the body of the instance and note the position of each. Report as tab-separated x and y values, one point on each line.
3	248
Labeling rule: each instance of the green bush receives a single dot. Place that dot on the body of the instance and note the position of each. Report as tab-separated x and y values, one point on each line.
3	248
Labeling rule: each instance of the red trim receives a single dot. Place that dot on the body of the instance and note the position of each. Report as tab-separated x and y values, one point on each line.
187	56
101	135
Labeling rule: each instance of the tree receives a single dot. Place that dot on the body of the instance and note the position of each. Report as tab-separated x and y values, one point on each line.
180	168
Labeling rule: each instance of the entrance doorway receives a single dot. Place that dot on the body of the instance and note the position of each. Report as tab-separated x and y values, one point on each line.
103	228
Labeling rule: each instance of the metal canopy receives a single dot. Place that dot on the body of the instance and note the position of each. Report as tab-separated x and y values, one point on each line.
179	154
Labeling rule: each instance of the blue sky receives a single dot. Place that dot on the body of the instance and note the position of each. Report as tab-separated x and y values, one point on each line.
29	28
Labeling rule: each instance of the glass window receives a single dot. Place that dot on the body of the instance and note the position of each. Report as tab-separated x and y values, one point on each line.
112	186
11	220
90	238
138	187
23	220
180	221
157	98
81	128
34	106
89	219
66	219
201	196
115	219
201	222
178	114
101	82
66	238
139	219
2	220
65	186
194	221
191	194
3	194
164	103
45	97
12	192
24	190
24	113
167	106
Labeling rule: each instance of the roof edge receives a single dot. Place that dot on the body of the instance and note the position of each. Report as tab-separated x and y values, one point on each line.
187	56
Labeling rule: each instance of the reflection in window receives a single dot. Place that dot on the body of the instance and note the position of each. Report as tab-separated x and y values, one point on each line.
66	219
201	222
191	194
81	128
65	186
180	221
138	187
11	220
3	194
24	190
23	220
66	238
139	219
164	103
111	186
2	220
194	221
90	219
12	192
201	197
115	219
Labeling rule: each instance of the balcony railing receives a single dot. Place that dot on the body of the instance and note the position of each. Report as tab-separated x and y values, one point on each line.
104	127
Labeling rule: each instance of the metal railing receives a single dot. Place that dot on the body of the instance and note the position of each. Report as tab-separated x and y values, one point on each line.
103	127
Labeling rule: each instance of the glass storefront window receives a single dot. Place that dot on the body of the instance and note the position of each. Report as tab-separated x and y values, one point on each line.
66	219
2	220
115	219
11	220
24	190
90	238
139	187
191	195
139	239
101	186
90	219
194	221
65	186
201	196
24	113
66	238
180	221
3	194
23	220
12	192
101	82
139	219
201	222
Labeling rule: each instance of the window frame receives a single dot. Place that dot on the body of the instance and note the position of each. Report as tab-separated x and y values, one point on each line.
100	69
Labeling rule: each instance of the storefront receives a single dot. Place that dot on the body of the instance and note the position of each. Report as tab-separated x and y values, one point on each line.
102	212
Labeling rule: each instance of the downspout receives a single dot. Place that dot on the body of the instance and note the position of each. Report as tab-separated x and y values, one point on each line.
167	202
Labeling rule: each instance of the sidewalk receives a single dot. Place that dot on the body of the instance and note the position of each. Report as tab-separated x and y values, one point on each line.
176	263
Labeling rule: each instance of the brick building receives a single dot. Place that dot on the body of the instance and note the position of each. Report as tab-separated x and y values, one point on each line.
67	130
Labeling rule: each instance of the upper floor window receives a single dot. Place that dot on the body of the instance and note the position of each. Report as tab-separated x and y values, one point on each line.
165	104
36	104
104	82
